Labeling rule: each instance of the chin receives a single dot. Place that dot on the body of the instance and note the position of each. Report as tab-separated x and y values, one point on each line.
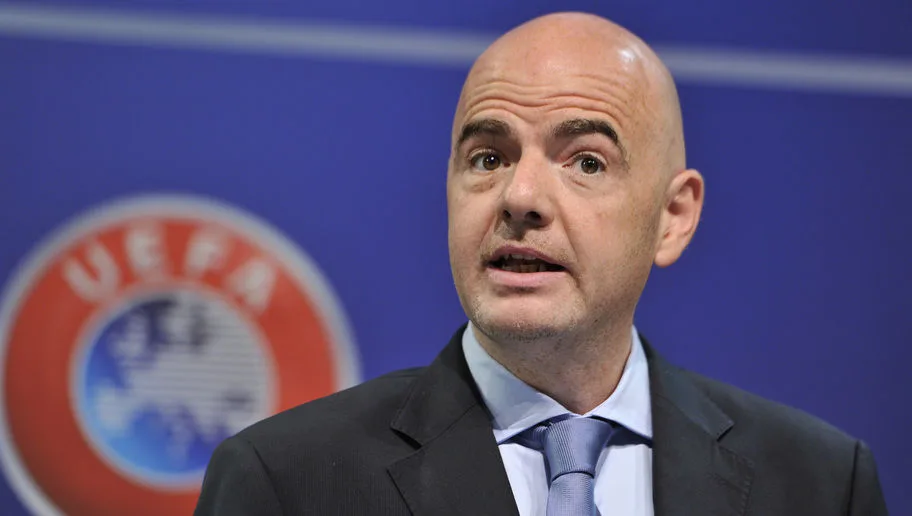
520	325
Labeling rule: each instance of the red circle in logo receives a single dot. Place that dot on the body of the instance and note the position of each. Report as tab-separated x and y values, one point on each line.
110	257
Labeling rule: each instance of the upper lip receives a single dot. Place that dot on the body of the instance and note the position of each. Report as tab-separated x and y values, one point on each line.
502	251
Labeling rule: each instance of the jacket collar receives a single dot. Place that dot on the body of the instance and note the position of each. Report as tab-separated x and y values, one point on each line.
693	473
457	468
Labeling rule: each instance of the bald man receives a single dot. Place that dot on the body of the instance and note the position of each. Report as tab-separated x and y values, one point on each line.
567	182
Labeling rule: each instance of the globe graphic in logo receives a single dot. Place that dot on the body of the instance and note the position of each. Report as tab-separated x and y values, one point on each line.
166	379
144	332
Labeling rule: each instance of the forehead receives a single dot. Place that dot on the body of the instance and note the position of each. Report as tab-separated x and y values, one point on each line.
542	80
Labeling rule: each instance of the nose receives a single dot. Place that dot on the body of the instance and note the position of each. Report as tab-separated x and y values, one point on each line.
527	195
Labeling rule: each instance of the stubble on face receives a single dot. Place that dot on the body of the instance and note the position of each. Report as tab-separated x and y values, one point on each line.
567	63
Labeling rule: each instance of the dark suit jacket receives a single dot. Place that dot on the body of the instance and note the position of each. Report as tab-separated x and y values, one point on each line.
420	442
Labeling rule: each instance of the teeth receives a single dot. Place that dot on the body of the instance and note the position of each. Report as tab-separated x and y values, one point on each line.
525	267
523	263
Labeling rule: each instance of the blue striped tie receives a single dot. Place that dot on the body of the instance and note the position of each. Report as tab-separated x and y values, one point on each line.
572	447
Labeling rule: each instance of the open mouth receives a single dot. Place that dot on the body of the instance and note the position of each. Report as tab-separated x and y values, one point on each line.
524	264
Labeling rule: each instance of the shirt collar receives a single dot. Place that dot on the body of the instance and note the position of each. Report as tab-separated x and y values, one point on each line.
516	406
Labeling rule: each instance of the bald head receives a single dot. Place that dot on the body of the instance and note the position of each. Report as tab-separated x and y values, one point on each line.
567	54
566	184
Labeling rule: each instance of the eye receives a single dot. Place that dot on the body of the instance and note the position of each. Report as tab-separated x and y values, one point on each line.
589	164
488	160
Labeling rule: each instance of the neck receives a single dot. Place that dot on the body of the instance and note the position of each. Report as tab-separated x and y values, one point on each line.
579	372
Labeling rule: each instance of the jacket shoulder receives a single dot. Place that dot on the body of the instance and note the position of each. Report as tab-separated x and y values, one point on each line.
352	414
776	420
326	456
800	460
788	444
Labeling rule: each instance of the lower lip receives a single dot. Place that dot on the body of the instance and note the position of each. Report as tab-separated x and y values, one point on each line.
525	280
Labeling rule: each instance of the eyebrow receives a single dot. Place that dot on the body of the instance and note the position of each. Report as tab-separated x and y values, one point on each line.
484	127
584	126
566	129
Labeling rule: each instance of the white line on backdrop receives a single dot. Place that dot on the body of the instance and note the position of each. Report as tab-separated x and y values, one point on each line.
695	65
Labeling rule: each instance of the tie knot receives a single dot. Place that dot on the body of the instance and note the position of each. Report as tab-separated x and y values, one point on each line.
573	445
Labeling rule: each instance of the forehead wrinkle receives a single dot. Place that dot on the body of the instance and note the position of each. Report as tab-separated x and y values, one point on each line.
604	83
498	86
608	106
615	107
613	101
618	92
580	61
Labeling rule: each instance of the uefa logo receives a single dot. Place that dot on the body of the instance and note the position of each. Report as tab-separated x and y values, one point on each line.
144	333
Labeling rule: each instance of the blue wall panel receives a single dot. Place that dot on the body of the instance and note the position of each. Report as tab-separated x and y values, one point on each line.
796	286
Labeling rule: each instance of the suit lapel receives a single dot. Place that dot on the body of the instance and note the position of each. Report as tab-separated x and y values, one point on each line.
693	474
457	468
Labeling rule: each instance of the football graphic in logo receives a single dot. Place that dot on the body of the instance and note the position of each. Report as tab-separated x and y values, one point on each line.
140	336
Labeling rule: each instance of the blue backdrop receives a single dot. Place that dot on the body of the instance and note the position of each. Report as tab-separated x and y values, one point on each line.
796	286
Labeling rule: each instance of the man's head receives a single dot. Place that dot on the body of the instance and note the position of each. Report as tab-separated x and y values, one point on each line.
567	179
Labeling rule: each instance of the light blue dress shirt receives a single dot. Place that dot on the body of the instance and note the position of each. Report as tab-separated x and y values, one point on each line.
623	475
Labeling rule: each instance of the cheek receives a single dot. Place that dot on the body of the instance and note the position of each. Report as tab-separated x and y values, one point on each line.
613	245
467	229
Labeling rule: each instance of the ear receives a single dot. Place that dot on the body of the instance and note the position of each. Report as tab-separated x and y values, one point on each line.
680	216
